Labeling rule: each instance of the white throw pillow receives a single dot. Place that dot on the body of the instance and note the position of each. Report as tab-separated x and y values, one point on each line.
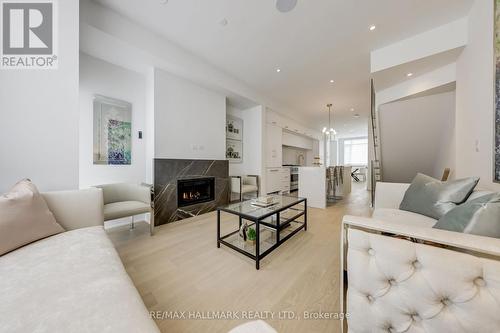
24	217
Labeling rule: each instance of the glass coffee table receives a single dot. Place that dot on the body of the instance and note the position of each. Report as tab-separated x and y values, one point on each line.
273	225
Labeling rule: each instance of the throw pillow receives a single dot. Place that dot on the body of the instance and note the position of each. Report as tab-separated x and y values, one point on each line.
24	217
434	198
480	216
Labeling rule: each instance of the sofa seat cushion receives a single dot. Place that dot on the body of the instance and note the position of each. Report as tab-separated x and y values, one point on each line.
70	282
402	216
118	210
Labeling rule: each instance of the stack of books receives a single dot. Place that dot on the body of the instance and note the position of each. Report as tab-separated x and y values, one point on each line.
265	201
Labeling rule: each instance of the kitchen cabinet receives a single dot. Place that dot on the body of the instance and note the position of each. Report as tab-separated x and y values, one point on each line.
278	180
273	118
293	140
274	148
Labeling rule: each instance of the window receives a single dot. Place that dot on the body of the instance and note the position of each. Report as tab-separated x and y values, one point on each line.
356	151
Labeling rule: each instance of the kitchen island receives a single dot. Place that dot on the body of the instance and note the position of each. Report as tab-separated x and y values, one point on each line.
313	185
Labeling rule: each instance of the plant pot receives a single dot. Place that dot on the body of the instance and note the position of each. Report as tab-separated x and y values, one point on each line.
251	242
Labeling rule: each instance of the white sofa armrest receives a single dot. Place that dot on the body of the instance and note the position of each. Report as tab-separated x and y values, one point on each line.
468	242
389	195
76	209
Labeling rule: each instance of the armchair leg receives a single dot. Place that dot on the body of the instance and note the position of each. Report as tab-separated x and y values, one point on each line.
133	224
152	223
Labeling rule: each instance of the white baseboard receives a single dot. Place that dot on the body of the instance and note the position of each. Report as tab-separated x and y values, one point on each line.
126	221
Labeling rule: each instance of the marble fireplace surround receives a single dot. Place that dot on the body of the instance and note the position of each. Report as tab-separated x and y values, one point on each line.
166	174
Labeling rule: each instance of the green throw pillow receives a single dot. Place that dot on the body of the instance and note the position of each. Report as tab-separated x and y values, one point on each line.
434	198
480	216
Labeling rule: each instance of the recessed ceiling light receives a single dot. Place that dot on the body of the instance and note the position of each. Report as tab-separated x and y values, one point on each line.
357	115
278	70
373	27
352	109
163	2
409	74
223	22
331	81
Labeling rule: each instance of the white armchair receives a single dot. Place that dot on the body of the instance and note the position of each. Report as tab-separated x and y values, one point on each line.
242	185
409	277
126	200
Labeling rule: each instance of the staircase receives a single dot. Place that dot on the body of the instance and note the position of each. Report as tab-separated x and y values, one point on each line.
375	163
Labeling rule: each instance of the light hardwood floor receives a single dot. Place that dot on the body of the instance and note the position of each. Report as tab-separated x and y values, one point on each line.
180	269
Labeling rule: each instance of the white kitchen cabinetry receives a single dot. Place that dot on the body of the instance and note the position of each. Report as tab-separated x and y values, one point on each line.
293	140
278	180
273	118
274	155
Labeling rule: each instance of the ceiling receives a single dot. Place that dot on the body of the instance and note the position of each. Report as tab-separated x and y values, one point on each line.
318	41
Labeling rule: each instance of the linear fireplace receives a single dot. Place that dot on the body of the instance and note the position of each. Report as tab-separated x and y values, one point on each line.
187	188
194	191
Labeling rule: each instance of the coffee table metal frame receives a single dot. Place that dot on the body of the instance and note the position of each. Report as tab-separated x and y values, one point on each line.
259	221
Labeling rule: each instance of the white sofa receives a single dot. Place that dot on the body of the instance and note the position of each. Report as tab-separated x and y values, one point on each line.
73	281
405	276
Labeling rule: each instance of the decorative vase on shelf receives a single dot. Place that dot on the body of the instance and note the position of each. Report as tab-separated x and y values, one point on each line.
243	231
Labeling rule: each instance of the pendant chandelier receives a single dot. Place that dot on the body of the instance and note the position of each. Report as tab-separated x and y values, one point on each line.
329	131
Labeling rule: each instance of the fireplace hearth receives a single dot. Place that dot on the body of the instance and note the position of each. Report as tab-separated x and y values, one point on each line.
195	191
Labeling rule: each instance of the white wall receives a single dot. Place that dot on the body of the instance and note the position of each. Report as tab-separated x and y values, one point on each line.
417	135
102	78
189	119
475	99
252	141
39	116
149	135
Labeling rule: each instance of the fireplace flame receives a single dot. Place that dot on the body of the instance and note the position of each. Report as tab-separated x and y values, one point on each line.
191	195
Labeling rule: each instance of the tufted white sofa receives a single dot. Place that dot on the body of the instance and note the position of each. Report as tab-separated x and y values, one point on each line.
404	276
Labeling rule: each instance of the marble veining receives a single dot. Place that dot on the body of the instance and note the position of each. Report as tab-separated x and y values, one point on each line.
166	174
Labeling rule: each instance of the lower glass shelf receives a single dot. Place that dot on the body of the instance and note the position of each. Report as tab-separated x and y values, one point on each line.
267	238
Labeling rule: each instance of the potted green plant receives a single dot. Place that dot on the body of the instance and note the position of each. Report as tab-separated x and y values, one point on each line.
251	236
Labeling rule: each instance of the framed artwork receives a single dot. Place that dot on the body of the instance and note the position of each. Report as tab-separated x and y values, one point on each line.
234	128
234	151
112	131
496	158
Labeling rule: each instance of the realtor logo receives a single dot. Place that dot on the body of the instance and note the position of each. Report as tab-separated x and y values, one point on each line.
28	34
